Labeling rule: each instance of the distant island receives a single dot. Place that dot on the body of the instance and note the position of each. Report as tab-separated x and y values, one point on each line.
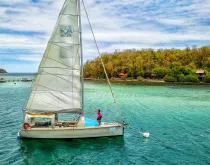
168	65
3	71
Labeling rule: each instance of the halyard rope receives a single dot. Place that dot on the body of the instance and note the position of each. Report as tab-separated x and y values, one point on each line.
110	87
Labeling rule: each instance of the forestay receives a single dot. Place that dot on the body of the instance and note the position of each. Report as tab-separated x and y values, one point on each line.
57	87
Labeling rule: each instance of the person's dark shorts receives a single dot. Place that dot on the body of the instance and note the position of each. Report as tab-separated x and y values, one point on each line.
99	118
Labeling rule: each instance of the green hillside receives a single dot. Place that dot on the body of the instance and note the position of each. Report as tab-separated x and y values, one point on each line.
171	64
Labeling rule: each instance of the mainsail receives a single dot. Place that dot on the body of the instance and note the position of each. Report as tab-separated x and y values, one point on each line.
57	87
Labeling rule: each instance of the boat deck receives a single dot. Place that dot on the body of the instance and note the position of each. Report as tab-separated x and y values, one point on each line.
103	125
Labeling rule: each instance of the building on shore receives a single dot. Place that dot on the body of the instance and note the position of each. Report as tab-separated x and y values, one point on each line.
123	75
201	74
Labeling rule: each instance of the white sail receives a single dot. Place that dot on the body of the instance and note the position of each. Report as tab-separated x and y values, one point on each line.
57	87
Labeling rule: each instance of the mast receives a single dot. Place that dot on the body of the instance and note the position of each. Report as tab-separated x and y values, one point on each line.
81	51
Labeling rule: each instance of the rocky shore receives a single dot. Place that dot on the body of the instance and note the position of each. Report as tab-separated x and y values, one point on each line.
151	82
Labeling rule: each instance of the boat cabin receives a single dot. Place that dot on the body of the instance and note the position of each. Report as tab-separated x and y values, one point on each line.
57	121
51	120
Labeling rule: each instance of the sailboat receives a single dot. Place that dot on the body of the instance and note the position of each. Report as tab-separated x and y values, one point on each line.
59	86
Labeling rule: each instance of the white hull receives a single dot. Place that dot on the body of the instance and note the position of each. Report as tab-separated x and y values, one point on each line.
114	129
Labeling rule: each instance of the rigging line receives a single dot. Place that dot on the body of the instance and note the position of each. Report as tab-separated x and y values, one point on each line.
102	63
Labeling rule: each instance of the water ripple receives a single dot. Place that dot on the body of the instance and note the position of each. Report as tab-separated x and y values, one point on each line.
176	117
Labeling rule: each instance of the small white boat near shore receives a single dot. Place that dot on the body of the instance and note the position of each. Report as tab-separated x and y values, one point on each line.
2	80
25	79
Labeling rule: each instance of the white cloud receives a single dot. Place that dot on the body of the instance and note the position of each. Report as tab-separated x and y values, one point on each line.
18	68
30	57
145	37
171	21
13	2
33	44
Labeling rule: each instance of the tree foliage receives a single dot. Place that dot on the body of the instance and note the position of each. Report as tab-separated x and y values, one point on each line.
176	63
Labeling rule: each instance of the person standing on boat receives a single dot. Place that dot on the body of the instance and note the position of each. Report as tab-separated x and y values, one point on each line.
99	116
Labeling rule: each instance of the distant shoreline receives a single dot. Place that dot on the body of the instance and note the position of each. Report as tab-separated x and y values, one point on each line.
152	82
3	71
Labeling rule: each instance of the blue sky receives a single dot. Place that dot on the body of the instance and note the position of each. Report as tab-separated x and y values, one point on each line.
26	25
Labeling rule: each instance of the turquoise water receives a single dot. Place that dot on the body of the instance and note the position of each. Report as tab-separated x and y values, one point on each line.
177	117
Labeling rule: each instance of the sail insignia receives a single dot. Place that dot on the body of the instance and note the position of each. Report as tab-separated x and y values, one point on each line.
65	31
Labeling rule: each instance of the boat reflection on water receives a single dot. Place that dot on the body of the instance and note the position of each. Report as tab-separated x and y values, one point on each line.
43	151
